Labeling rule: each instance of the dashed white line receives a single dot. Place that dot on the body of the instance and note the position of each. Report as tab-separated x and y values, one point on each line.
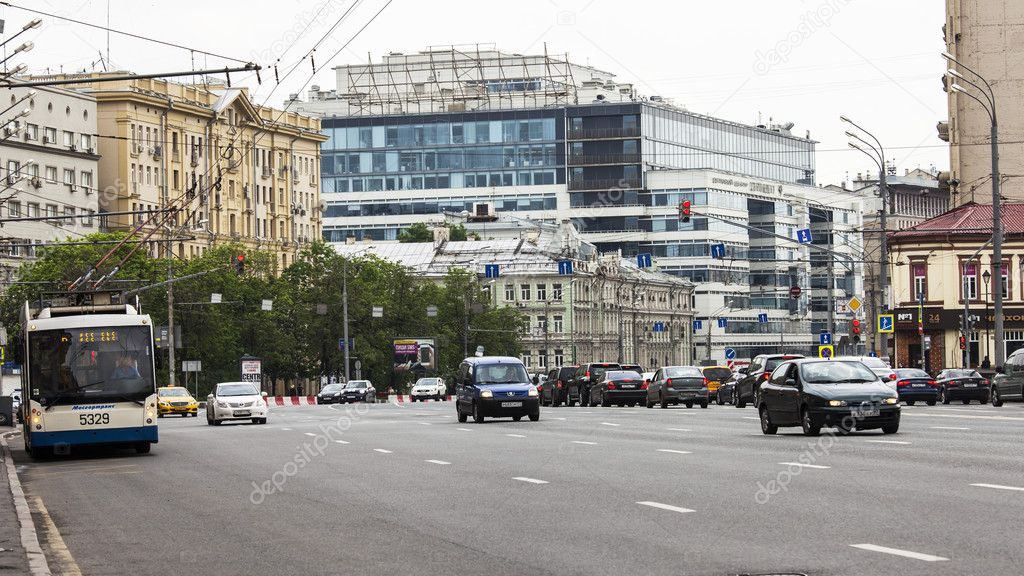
465	429
898	552
999	487
900	442
530	480
609	424
679	429
341	442
309	434
440	462
515	435
289	429
750	418
666	450
668	507
948	428
585	443
382	451
556	418
801	465
424	423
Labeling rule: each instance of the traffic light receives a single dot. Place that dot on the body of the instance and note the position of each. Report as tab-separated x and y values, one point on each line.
963	342
855	330
240	264
684	211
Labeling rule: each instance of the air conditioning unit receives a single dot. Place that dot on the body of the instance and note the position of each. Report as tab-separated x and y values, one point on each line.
139	148
92	150
483	212
72	188
28	135
36	182
12	179
73	146
46	140
158	152
9	131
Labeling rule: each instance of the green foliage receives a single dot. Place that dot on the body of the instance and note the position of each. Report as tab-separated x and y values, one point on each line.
457	233
417	233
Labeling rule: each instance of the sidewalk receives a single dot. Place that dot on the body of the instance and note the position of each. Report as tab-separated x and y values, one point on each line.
13	559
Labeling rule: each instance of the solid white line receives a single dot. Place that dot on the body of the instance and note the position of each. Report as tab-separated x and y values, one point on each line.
29	537
310	434
750	418
382	451
465	429
948	428
798	464
515	435
609	424
424	423
441	462
679	429
673	451
930	414
530	480
665	507
556	418
341	442
999	487
584	443
900	442
898	552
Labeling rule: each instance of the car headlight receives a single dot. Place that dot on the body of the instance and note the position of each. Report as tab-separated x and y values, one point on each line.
165	403
837	403
890	401
486	394
222	404
532	392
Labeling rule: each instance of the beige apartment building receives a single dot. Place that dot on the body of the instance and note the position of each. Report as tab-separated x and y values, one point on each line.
985	35
239	172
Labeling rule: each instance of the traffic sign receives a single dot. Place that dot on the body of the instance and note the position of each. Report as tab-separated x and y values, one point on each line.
803	236
723	322
762	318
873	354
492	270
644	260
718	251
886	323
432	311
697	325
854	304
565	268
730	354
795	292
267	305
825	339
378	311
826	351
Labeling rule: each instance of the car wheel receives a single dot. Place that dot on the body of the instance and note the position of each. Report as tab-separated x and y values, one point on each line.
689	404
159	414
966	401
255	420
910	402
534	417
648	402
632	404
996	400
737	400
217	422
209	421
891	429
661	400
478	417
767	427
704	404
143	448
811	428
462	415
517	418
844	427
605	402
943	396
931	402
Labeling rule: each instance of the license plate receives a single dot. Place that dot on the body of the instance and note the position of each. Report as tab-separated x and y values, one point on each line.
628	386
970	385
242	413
918	385
511	404
866	412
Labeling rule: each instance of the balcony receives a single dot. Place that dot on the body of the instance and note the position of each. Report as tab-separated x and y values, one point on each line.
596	159
603	133
605	184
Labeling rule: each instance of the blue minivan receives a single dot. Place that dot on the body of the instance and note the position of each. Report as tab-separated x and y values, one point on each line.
495	386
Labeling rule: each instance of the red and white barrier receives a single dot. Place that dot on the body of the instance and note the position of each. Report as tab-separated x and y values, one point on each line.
311	400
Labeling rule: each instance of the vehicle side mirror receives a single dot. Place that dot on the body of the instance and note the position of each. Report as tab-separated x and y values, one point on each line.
791	382
264	394
1000	370
210	397
536	380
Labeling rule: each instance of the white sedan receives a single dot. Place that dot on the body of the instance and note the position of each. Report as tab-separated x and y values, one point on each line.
236	401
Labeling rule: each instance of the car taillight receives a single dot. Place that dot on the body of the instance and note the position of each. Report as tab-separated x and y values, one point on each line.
643	386
765	376
933	383
668	383
984	382
611	385
706	381
586	375
558	384
903	383
892	376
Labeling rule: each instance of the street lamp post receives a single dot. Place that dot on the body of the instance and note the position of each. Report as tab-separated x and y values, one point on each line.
986	276
989	105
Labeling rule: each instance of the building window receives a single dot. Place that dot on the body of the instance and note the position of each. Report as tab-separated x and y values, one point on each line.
559	358
87	221
969	281
14	209
86	178
920	272
524	292
542	292
86	141
32	131
1004	276
50	136
556	292
557	321
69	177
542	325
51	210
542	358
33	210
69	139
510	292
527	358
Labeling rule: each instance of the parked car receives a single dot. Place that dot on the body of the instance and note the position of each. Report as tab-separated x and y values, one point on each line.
428	388
724	393
359	391
678	384
175	400
556	385
916	385
1008	385
716	376
586	376
330	394
236	401
759	370
963	385
815	393
495	386
619	387
877	365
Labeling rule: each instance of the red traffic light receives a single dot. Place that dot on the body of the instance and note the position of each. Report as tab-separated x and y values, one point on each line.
856	326
686	207
963	343
241	258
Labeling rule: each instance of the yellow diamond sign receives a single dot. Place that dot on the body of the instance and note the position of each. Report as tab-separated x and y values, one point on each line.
854	304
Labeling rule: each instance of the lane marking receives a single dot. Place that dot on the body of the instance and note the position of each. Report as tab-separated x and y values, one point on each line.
584	443
750	418
666	450
933	415
948	428
530	480
424	423
999	487
37	564
440	462
556	418
382	451
898	552
465	429
799	465
515	435
679	429
900	442
668	507
609	424
289	429
341	442
309	434
63	560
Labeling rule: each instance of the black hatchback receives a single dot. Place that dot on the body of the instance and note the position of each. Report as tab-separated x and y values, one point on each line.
585	378
761	367
815	393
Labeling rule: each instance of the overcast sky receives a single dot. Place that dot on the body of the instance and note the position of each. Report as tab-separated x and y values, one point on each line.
801	61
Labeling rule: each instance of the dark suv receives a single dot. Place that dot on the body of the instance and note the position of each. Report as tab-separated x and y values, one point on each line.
553	393
761	368
585	378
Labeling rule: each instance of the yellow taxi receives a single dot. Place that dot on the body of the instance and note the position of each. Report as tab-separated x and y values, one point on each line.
716	376
176	400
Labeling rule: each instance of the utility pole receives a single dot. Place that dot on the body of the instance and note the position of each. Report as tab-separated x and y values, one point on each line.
170	314
344	314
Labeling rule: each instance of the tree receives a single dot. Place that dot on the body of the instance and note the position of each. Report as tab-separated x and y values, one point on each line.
457	233
417	233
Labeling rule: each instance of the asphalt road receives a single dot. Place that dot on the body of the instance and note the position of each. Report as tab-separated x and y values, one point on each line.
406	489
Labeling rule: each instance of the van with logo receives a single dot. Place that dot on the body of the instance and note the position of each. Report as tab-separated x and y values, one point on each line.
495	387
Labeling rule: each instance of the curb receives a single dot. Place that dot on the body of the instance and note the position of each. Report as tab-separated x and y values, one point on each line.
29	539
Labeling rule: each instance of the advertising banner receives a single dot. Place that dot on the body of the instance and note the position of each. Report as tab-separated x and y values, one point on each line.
414	355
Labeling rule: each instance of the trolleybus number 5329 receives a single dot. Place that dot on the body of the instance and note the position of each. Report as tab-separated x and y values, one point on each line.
93	419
